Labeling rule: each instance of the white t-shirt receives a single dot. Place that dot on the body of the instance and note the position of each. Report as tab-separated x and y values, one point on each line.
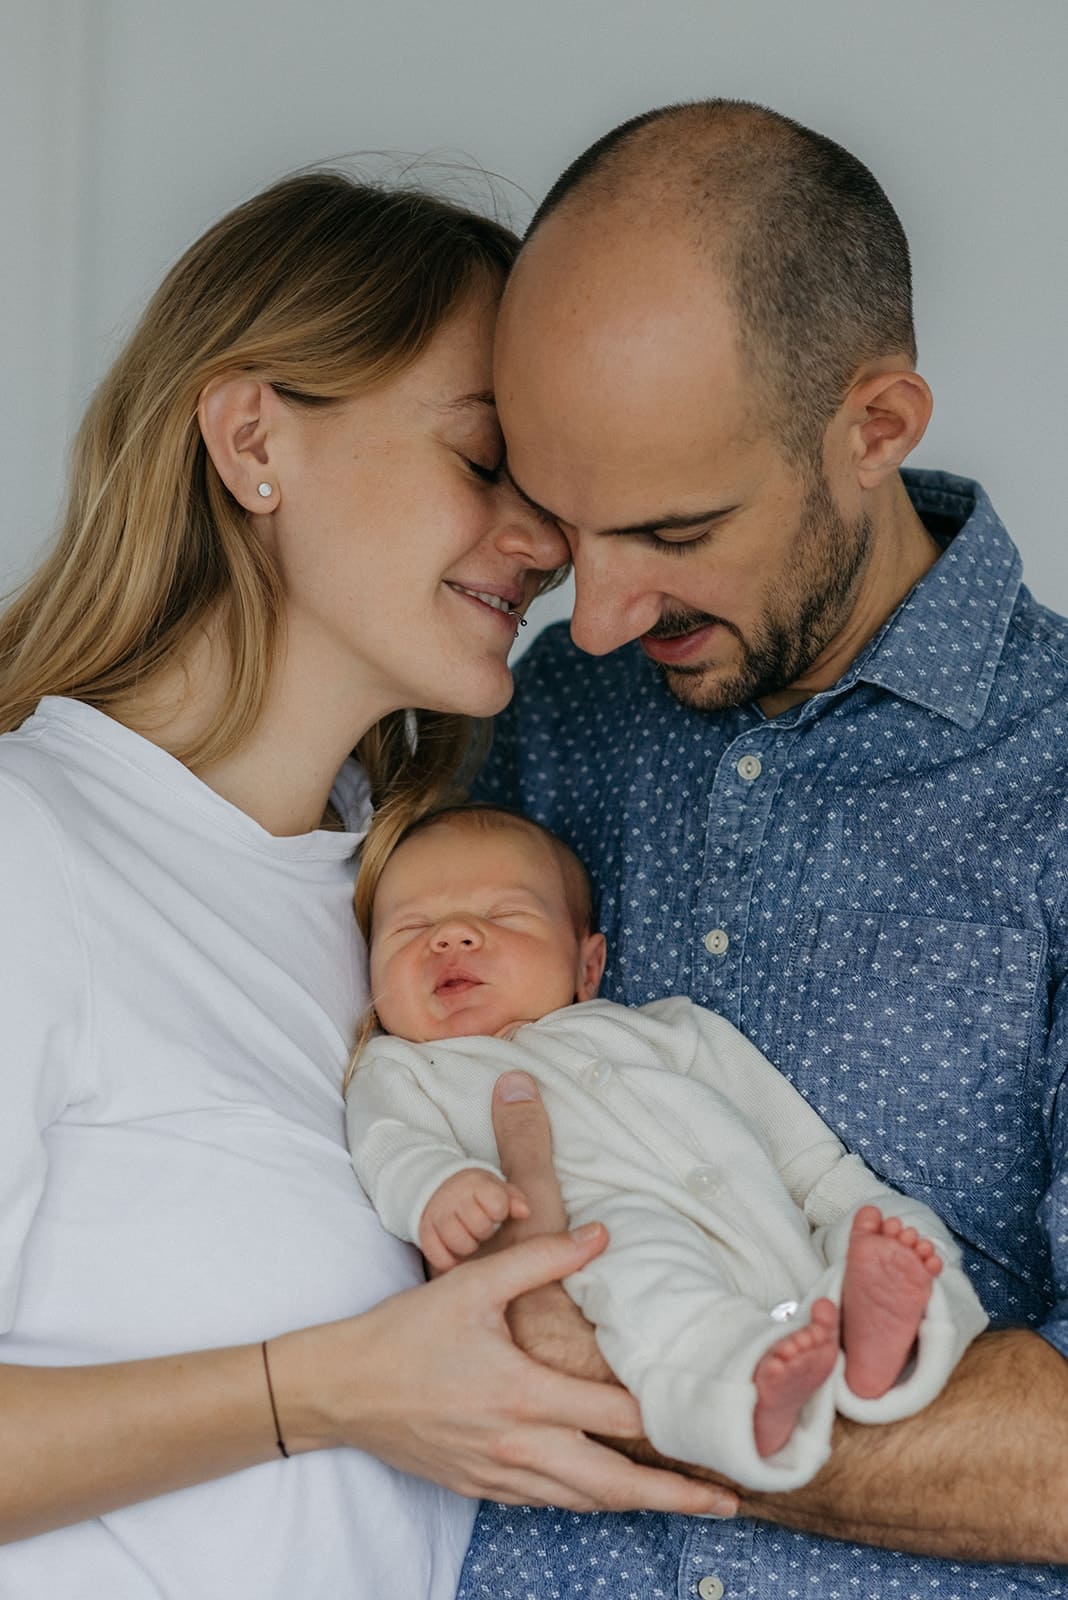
178	990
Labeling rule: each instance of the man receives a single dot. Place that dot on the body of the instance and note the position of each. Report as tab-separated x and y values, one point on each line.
810	736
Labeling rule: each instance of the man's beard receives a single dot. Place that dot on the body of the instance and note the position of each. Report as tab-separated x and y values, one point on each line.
815	598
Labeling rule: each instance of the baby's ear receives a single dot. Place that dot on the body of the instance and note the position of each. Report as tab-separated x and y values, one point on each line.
592	955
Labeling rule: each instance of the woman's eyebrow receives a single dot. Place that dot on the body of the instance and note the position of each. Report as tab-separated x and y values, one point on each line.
483	397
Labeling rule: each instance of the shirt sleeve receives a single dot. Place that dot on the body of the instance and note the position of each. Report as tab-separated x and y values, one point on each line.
45	1015
1053	1211
403	1147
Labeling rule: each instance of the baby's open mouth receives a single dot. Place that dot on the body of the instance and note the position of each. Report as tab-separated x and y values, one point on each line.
456	984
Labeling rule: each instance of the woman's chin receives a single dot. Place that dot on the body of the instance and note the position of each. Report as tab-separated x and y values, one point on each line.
483	697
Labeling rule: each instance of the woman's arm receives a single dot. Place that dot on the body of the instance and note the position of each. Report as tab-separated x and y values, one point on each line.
969	1477
428	1380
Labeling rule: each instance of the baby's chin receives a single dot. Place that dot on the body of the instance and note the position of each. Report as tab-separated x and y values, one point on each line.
476	1021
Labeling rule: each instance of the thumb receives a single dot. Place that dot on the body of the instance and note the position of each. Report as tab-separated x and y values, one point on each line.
536	1262
525	1149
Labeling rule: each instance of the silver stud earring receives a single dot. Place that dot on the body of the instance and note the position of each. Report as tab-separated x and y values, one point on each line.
264	490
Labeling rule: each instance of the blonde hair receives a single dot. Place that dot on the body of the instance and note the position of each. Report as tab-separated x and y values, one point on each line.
321	286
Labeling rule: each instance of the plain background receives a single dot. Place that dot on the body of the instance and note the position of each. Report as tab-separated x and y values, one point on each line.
129	125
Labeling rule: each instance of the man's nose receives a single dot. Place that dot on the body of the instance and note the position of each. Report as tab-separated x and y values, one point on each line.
458	933
609	611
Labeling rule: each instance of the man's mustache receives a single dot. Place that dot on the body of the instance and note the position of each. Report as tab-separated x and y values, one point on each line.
674	624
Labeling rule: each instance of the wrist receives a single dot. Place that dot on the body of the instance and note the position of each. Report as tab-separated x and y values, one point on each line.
299	1369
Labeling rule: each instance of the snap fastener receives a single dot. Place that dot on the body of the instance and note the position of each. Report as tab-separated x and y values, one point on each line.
716	942
704	1182
598	1074
783	1311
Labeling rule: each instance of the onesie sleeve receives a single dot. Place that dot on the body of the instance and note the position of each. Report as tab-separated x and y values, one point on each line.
403	1146
45	1018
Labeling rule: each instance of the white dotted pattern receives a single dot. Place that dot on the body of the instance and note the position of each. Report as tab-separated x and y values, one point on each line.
891	886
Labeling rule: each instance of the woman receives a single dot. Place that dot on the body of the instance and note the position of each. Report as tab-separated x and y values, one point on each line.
285	528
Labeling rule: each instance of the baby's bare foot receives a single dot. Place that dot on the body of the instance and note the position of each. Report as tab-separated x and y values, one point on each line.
885	1291
791	1371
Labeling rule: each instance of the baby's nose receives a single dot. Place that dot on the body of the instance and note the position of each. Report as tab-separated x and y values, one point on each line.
452	935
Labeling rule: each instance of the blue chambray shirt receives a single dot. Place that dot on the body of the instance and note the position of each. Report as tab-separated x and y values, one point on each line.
871	886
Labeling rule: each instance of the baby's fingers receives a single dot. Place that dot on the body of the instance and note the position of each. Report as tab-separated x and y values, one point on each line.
518	1206
438	1255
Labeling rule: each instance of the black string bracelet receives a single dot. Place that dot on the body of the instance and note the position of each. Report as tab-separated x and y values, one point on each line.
279	1441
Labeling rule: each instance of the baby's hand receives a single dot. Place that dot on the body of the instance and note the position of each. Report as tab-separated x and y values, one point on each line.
467	1209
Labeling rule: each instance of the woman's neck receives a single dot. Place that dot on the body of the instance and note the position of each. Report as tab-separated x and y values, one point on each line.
282	772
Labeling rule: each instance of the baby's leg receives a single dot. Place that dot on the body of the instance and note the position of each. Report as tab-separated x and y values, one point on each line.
790	1373
885	1291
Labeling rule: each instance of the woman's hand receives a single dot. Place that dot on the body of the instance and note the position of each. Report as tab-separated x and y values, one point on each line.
431	1382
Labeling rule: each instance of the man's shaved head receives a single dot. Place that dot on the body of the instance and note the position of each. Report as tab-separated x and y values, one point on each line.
809	254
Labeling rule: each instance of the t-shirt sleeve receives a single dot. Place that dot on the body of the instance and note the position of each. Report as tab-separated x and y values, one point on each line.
45	1019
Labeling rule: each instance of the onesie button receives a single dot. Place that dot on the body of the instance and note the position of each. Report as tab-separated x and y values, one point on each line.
710	1588
704	1183
598	1074
783	1311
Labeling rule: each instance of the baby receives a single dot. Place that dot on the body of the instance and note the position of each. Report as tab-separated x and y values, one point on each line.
732	1209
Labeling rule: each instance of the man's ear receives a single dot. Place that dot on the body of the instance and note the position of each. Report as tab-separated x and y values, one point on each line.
234	412
886	414
592	955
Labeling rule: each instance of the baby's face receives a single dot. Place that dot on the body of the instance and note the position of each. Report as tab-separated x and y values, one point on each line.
473	933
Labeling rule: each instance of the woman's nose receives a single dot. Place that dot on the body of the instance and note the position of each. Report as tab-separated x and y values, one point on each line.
533	534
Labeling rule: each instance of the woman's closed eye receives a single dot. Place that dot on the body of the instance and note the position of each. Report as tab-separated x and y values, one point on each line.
487	472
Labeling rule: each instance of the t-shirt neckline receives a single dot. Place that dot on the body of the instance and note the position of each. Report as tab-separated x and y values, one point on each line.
350	795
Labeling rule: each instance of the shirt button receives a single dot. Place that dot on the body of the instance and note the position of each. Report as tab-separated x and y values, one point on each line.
704	1183
750	768
710	1587
716	942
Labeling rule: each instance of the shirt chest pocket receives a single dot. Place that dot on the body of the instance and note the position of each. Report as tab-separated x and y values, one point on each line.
910	1036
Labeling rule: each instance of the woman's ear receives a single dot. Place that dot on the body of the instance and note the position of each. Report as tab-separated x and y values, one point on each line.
887	414
592	955
234	412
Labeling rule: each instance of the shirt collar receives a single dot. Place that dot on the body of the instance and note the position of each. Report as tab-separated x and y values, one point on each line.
942	645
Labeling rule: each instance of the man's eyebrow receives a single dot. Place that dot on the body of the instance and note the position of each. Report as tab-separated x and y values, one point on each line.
664	524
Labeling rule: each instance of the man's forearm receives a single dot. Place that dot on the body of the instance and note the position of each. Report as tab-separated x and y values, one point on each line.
975	1476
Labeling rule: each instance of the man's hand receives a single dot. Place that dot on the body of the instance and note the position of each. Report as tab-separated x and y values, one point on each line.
546	1323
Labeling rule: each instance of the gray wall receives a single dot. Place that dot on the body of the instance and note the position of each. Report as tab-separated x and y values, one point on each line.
130	124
